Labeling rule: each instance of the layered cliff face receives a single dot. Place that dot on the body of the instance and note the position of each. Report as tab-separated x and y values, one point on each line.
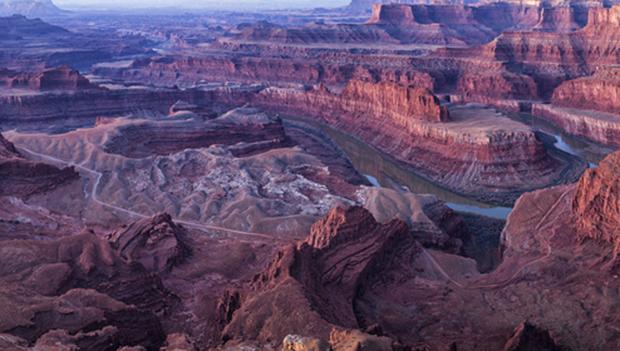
564	19
486	85
312	34
397	101
572	54
499	163
599	126
600	92
587	106
310	68
597	203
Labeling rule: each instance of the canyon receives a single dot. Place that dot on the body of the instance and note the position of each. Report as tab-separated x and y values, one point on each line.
381	176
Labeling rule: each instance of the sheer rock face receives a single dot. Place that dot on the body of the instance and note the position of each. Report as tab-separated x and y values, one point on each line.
600	92
527	337
312	286
392	99
156	243
597	202
78	284
602	127
21	177
475	85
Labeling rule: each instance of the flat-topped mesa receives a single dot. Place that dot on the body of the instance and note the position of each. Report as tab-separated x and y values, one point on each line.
59	78
596	206
395	100
402	15
393	14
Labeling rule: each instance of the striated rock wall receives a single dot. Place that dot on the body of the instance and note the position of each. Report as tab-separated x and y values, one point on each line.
399	102
78	284
600	92
481	85
298	67
157	243
598	126
596	206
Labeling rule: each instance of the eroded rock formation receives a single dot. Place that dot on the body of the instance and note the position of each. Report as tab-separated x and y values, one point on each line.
320	278
78	285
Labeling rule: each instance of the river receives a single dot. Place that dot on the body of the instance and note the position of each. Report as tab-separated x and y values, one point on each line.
382	170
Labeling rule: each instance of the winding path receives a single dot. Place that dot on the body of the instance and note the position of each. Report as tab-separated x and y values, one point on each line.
93	195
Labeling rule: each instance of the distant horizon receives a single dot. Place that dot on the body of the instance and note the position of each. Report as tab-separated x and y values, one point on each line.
199	4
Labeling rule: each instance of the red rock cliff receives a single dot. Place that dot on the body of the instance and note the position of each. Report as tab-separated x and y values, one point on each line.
597	202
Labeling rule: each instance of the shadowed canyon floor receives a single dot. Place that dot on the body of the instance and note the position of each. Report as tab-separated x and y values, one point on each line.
380	176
